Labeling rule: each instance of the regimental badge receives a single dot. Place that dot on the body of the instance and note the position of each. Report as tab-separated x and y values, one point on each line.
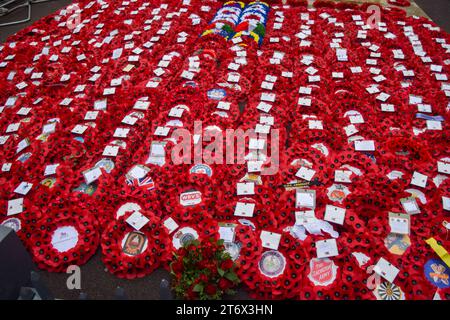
134	243
272	263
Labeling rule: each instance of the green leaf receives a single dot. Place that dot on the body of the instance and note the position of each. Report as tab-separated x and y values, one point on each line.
232	276
221	272
198	287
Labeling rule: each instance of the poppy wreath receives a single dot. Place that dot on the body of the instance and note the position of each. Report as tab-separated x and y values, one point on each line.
25	225
130	254
64	237
192	224
249	247
61	232
263	215
203	270
283	282
331	279
190	192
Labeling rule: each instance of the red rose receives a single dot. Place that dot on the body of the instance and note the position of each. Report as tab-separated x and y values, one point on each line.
227	264
208	252
211	289
191	294
182	252
202	264
203	277
225	284
177	267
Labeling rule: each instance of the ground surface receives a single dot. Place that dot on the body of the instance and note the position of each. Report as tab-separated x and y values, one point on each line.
98	283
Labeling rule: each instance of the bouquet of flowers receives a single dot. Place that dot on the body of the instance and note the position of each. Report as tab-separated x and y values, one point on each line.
203	270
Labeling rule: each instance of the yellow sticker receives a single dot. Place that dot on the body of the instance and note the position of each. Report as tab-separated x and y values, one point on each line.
440	250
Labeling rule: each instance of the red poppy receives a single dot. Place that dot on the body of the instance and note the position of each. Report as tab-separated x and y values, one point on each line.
224	284
211	289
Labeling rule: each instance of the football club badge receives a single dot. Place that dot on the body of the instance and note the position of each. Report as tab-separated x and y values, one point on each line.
322	148
397	243
250	177
418	195
12	223
24	157
184	236
228	85
352	139
355	170
437	273
191	84
190	198
361	258
389	291
248	223
322	272
201	169
64	238
222	114
79	139
301	162
402	152
129	207
137	114
88	189
370	156
49	182
217	94
106	164
43	137
134	243
338	192
395	174
122	144
272	263
174	123
233	249
438	179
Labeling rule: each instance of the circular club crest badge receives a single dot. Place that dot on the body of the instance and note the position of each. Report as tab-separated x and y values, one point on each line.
106	164
12	223
217	94
437	273
202	169
234	249
183	236
322	272
272	263
389	291
397	243
338	192
129	207
65	238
